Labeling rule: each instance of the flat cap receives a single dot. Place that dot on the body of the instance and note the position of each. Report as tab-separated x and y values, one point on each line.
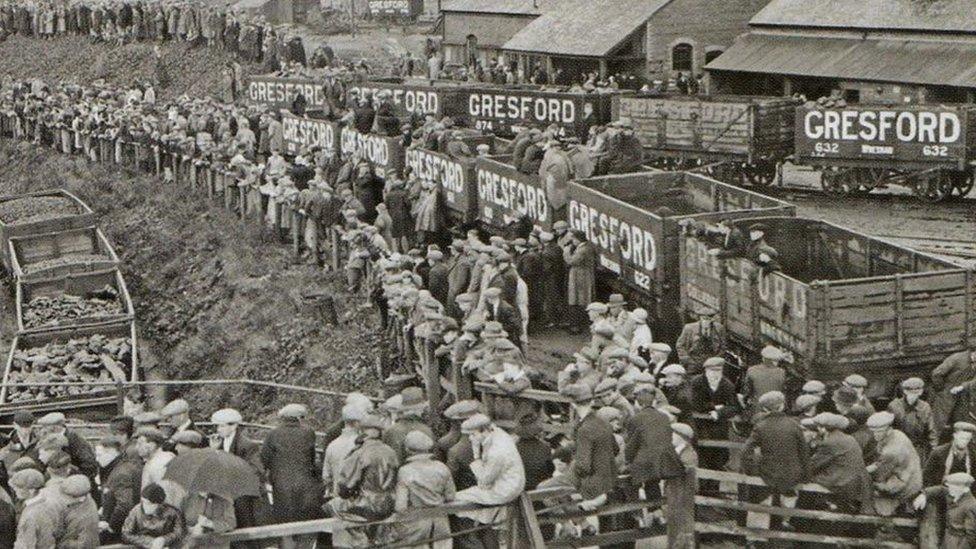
831	420
609	413
660	347
814	386
173	407
805	402
293	410
372	421
578	392
638	361
959	479
187	438
880	420
618	353
435	255
674	369
59	459
359	399
27	479
771	353
715	362
53	442
856	380
76	486
146	418
913	383
152	434
560	225
597	307
964	426
616	299
462	409
493	292
644	378
476	324
466	297
684	430
226	416
418	441
24	418
502	344
772	400
546	236
475	423
54	418
606	385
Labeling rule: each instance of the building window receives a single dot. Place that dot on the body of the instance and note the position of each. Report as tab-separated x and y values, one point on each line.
710	55
471	47
681	57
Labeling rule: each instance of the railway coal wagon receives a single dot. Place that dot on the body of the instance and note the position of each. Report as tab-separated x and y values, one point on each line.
55	254
39	213
927	148
506	194
635	222
278	92
749	135
413	97
505	111
841	301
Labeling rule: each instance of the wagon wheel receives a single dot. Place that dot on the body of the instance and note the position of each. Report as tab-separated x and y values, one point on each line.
837	181
962	182
934	188
762	174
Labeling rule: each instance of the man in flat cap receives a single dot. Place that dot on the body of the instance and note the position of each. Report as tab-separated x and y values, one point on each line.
713	395
764	377
422	482
896	472
229	439
176	414
501	311
700	340
81	514
554	282
500	478
366	483
153	523
409	417
121	483
288	456
913	416
859	384
22	440
149	445
657	360
650	461
580	256
956	496
40	524
838	465
81	452
956	456
777	452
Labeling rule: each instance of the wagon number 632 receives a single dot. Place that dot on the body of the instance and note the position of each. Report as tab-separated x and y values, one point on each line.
827	148
935	150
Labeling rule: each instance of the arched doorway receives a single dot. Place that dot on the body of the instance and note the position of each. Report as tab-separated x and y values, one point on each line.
682	57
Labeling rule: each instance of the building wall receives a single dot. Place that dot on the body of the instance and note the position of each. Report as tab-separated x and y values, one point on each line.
708	25
491	30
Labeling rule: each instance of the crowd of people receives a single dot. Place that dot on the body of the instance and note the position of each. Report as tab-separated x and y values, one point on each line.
642	404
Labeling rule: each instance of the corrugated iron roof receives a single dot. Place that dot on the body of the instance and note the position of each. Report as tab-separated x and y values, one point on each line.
906	61
584	28
514	7
903	15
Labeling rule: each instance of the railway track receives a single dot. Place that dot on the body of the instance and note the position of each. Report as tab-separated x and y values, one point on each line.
944	246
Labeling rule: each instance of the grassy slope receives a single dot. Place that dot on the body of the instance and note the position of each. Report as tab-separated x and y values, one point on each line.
215	297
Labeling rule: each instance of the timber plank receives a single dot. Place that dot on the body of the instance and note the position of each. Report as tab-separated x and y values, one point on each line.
735	530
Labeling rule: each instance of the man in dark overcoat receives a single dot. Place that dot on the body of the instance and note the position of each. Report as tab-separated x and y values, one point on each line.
713	395
554	301
288	457
949	404
437	277
649	455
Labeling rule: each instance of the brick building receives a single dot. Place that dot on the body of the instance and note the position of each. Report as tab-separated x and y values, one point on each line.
477	29
870	51
648	38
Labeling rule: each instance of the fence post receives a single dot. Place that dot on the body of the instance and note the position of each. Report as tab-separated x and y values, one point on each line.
680	511
296	233
120	397
432	376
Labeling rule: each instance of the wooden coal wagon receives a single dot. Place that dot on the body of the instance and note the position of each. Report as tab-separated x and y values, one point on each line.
635	220
70	398
858	148
56	254
746	136
66	212
107	283
842	302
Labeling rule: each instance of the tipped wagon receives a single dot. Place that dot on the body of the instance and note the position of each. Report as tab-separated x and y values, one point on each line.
56	254
106	288
39	213
635	223
842	302
57	395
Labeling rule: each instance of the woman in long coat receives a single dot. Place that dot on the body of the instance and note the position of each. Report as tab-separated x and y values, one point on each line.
423	482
